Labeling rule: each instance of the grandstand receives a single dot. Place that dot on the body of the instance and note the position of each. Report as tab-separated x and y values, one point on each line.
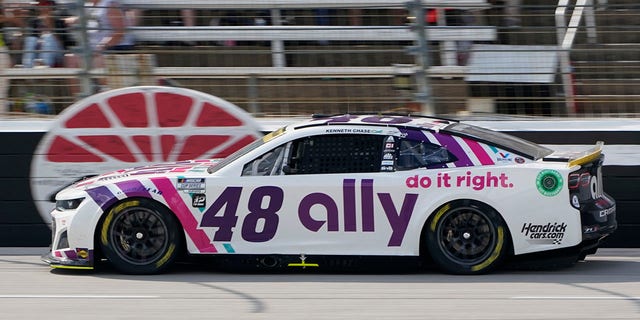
299	57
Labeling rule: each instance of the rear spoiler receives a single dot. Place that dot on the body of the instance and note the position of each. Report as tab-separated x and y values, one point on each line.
587	156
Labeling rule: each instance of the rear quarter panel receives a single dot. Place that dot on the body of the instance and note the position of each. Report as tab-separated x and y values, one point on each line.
513	192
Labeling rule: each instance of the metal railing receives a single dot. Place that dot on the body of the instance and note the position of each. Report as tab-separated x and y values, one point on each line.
566	38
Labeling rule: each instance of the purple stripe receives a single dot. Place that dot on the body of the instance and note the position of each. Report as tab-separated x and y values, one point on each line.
415	135
349	196
71	254
102	196
133	188
368	217
446	141
450	143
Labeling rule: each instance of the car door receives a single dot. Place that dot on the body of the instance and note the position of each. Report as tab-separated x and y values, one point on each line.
323	194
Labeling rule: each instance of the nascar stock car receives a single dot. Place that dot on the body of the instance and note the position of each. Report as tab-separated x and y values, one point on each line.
460	196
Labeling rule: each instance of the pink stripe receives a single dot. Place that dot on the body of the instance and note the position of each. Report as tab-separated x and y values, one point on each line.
190	224
480	153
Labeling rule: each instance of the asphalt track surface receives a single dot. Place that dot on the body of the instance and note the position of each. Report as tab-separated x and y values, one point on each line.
605	286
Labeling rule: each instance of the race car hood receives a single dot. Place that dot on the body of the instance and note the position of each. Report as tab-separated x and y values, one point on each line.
181	168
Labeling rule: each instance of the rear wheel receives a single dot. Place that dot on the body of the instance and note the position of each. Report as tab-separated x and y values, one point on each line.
467	237
139	236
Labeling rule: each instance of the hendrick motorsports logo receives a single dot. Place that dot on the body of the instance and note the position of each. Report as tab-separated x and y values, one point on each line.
550	233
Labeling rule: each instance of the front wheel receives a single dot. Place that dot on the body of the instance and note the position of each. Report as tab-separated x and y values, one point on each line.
139	236
467	237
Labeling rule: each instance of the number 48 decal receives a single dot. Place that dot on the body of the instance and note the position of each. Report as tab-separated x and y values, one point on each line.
229	200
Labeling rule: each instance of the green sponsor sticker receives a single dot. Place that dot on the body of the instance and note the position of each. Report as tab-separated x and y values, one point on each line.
549	182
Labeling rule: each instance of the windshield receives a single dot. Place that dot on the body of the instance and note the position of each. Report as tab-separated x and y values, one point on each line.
502	140
246	149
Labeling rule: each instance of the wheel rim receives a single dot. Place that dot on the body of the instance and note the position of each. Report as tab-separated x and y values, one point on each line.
139	235
466	235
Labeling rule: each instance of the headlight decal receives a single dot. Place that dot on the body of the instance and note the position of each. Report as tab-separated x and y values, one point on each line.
69	204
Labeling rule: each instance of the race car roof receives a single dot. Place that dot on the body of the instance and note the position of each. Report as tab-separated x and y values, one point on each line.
399	120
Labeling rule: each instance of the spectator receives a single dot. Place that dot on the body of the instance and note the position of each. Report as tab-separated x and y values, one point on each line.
107	27
188	20
107	24
7	18
512	16
461	17
188	17
355	17
44	42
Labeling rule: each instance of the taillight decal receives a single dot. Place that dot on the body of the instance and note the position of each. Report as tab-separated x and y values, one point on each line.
574	181
585	179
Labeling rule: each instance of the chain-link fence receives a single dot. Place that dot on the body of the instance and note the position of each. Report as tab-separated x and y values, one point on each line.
538	57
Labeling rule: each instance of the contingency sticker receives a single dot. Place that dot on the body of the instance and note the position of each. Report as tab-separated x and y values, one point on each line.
199	200
191	185
388	155
549	182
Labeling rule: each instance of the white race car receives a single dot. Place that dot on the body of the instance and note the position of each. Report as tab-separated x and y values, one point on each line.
344	186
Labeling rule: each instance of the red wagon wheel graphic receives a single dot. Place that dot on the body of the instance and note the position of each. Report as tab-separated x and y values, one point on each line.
131	127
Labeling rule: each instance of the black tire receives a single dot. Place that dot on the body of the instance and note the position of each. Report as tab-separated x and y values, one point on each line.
467	237
139	236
